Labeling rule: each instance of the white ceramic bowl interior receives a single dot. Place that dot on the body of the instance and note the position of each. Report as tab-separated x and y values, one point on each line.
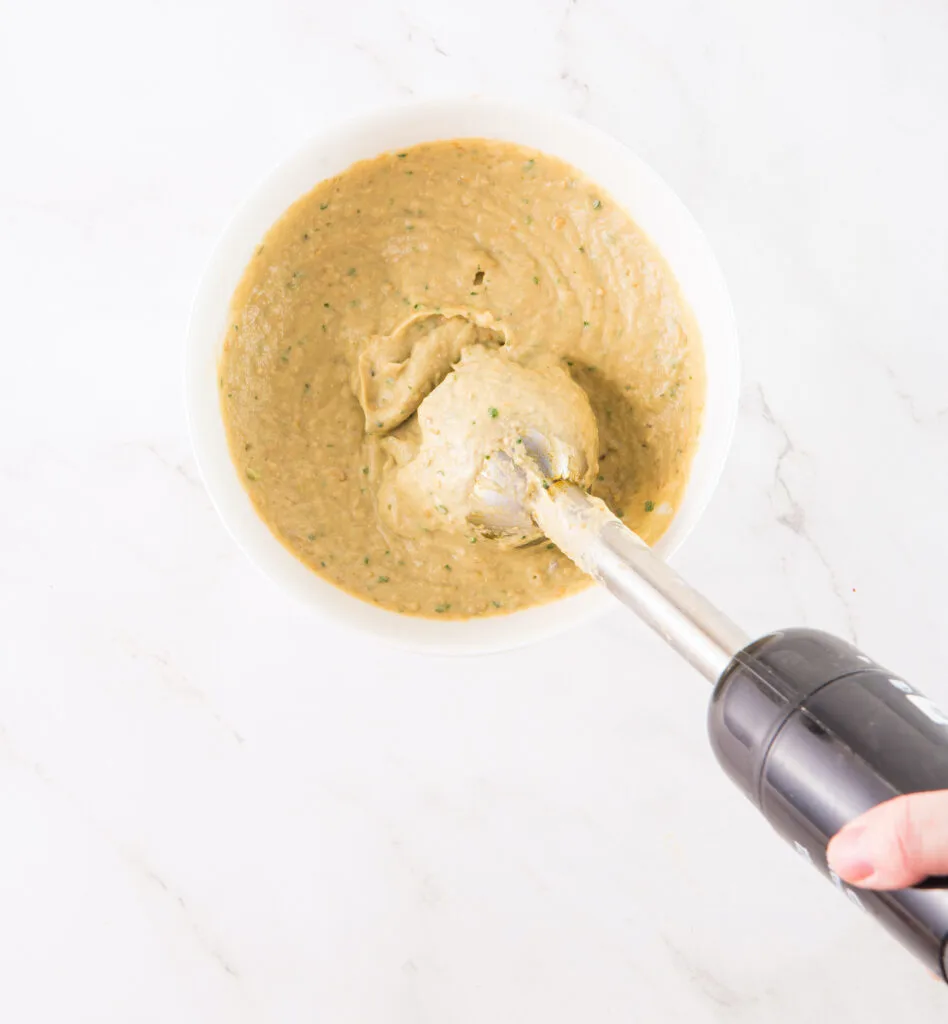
652	205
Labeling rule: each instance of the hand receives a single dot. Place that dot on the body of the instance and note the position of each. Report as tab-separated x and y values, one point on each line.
895	844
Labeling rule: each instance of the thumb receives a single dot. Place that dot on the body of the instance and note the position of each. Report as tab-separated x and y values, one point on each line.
895	844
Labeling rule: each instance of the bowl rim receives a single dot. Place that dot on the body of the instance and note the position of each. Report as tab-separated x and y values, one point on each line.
272	195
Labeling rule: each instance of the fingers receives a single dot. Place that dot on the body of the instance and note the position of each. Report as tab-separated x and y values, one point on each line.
895	844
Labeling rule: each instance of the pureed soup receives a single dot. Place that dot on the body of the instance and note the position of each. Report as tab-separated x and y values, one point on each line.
370	290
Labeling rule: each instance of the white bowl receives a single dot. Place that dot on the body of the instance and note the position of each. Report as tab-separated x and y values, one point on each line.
652	205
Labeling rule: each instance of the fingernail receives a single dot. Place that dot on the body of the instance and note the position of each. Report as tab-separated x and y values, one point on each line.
850	858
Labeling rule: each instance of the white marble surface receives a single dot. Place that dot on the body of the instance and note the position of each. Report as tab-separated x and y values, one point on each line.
214	808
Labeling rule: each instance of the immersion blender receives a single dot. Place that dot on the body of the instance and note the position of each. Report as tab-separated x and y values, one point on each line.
813	731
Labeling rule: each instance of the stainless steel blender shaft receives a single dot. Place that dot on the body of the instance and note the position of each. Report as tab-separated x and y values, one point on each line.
612	554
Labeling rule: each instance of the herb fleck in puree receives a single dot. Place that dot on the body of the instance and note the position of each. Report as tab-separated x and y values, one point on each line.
367	292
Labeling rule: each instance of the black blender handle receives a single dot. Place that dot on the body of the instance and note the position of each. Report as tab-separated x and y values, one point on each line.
816	733
932	882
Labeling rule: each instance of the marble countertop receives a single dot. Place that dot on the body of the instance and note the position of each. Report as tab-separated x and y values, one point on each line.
215	808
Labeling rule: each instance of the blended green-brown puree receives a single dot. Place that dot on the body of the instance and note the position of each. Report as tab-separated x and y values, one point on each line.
402	262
